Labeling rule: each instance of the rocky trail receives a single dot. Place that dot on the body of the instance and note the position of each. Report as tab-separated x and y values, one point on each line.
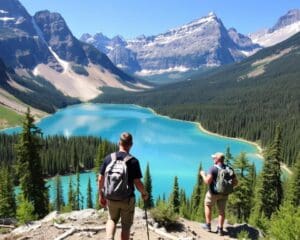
90	224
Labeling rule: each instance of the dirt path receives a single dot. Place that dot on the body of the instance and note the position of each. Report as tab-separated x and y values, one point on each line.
90	224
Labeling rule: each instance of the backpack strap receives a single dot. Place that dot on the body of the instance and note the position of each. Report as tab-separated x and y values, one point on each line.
127	158
113	156
219	167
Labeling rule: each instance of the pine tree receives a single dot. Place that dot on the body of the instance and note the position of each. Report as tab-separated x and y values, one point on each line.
148	186
75	159
240	202
196	197
59	200
295	183
252	175
270	190
97	205
174	200
7	196
29	170
101	153
71	195
89	201
228	156
77	195
158	200
184	209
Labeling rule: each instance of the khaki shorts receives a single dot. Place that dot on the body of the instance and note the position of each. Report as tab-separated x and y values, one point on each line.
123	209
211	199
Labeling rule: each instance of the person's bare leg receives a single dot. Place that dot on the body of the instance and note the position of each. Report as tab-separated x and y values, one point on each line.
221	223
208	214
125	234
110	229
221	219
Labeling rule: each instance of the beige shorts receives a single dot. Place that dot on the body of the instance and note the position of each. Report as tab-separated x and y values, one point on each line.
212	199
122	209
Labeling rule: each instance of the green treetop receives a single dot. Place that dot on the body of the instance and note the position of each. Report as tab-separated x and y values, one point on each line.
29	168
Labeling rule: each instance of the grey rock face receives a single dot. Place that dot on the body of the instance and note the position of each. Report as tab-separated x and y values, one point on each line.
3	74
20	45
243	42
14	16
291	17
200	43
59	37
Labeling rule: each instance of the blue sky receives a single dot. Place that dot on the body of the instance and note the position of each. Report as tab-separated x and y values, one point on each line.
131	18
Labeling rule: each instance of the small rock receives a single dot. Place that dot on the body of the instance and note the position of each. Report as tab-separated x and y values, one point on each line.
156	225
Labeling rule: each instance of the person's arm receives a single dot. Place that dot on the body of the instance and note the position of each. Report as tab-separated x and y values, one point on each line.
102	200
206	178
140	187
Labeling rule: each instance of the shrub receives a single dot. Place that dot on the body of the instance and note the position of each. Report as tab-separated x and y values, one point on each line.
285	224
164	215
25	212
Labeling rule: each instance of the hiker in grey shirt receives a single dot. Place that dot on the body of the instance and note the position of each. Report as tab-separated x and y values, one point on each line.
119	174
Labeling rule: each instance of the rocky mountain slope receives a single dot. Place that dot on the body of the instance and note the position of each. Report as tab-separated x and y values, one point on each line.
203	42
90	224
43	47
286	26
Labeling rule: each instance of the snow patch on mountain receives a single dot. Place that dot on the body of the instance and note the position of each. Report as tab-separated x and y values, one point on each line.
286	26
267	39
63	63
3	11
6	19
147	72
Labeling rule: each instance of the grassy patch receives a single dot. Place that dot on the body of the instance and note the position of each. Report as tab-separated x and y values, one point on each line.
9	118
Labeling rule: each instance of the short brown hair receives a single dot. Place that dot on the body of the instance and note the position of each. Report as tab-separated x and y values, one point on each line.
126	139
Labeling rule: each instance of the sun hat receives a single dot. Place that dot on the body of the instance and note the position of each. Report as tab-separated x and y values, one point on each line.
218	155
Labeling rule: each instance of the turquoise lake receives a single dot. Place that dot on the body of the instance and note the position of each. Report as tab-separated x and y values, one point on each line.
172	147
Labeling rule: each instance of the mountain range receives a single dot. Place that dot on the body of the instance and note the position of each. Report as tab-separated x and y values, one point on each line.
41	55
200	43
203	42
43	65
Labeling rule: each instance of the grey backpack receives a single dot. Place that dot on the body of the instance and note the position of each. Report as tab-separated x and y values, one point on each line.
116	179
224	182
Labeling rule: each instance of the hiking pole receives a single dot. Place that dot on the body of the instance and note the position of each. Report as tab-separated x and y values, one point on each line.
146	216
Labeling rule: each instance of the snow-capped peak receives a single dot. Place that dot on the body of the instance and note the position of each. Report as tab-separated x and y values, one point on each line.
212	14
286	26
290	18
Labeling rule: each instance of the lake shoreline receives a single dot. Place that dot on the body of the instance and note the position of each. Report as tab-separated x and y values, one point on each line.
259	149
202	129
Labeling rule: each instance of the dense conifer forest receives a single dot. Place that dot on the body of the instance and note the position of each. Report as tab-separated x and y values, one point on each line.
59	154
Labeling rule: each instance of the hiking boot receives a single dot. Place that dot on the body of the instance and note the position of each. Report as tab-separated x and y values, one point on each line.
220	231
206	227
